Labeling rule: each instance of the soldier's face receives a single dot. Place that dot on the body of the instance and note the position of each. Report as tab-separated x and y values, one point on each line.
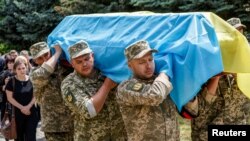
83	64
43	58
143	67
240	29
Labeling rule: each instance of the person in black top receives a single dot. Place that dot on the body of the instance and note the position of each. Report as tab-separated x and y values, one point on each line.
19	92
5	75
4	78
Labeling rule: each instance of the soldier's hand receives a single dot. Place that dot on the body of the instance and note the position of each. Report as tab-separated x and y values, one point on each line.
221	74
109	83
58	49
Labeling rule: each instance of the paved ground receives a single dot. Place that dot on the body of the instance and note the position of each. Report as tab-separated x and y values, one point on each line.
39	134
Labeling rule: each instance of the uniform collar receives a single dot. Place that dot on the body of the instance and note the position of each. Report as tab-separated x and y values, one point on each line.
150	80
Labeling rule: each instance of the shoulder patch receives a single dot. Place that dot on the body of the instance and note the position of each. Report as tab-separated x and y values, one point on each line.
130	85
70	98
135	86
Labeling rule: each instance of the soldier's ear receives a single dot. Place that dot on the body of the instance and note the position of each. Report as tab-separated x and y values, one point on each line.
92	54
72	64
129	64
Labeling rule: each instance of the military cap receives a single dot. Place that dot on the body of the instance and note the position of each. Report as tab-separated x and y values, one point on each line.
38	49
78	49
138	50
235	22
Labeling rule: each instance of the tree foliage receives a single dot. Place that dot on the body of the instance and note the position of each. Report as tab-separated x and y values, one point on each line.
224	8
68	7
23	22
26	22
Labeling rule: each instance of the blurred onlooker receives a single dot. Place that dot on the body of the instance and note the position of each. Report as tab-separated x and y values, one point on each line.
2	63
24	55
13	54
5	75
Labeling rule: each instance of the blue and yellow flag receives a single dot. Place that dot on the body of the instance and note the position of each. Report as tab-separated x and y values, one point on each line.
235	51
188	45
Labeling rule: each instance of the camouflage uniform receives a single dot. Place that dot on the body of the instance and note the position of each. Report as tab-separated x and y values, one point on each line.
77	91
57	121
147	110
106	125
236	23
236	103
227	107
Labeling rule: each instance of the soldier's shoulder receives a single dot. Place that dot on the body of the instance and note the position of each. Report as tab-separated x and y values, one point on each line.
67	87
69	78
126	82
34	68
36	71
34	74
132	85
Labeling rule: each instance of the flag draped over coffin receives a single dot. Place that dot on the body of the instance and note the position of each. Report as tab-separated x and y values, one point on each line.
189	50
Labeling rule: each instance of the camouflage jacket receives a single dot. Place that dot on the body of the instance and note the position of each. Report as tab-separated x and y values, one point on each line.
227	107
55	115
107	124
147	110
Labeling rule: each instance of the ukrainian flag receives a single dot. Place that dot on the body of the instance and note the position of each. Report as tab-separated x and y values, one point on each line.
192	47
235	51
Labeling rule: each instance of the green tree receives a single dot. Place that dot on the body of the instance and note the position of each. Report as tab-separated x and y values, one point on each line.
224	8
23	22
156	5
68	7
28	21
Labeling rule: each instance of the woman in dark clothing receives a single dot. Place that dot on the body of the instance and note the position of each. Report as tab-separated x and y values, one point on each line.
19	92
4	78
